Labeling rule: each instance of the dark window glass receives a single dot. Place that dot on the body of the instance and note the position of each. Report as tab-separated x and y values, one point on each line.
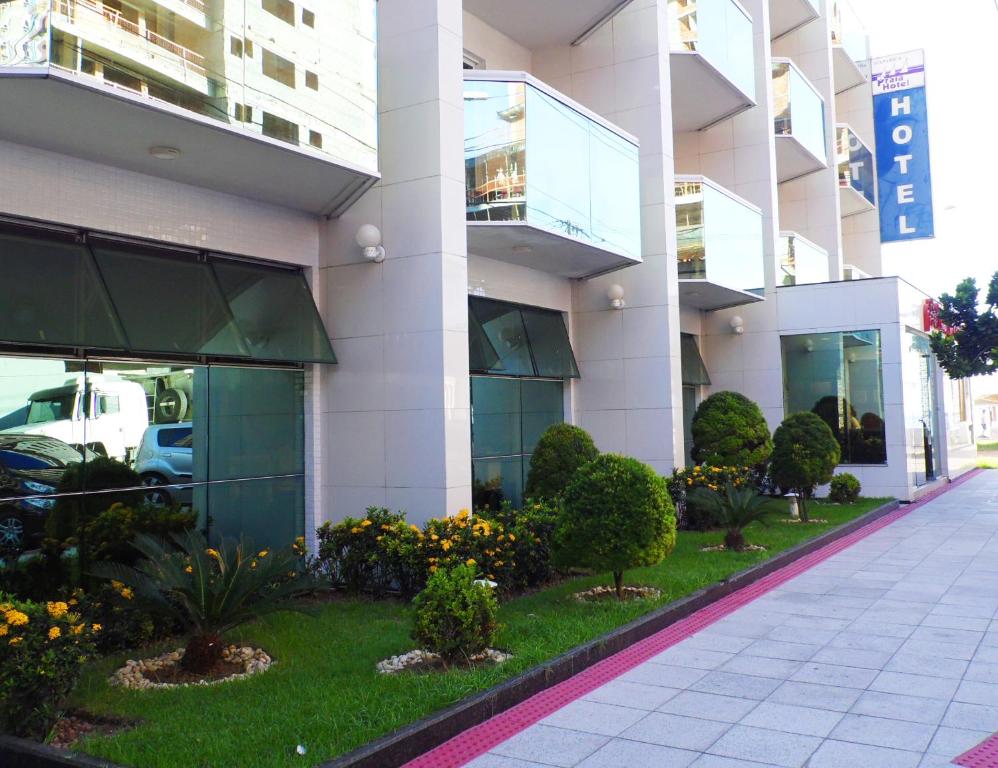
278	128
275	312
175	438
248	48
236	46
270	512
512	340
496	416
278	68
307	17
315	139
502	325
694	371
188	316
482	355
244	114
312	80
51	293
549	343
282	9
543	404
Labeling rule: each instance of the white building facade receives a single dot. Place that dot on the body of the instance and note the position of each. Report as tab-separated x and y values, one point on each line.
579	210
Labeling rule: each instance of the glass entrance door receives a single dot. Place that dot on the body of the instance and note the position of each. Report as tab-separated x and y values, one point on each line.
922	430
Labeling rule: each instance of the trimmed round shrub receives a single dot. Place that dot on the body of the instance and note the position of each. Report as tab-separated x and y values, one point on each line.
562	449
845	489
616	514
728	429
805	455
455	614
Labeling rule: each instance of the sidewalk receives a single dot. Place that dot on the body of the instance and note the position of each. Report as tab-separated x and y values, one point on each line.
884	655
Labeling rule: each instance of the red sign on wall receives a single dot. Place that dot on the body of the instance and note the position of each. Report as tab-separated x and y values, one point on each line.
931	321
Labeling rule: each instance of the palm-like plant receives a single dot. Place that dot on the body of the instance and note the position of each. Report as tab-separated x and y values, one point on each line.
736	508
209	590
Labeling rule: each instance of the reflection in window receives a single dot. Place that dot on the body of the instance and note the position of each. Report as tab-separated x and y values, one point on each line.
838	376
494	151
515	340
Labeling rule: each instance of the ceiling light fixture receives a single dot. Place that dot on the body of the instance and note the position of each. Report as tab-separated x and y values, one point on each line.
164	153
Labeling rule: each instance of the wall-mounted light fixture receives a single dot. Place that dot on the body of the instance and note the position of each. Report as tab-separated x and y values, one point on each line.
369	238
737	325
615	293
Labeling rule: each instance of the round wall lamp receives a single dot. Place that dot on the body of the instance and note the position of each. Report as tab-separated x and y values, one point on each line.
369	239
737	325
615	293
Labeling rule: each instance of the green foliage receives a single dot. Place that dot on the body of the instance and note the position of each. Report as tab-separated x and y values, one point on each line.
845	489
729	429
125	624
455	614
372	553
973	349
735	509
473	540
562	449
117	482
616	514
207	591
692	515
805	454
110	534
43	647
531	537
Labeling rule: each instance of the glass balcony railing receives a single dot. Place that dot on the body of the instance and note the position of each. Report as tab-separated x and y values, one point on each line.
799	115
800	260
848	32
533	157
307	78
720	243
721	32
856	172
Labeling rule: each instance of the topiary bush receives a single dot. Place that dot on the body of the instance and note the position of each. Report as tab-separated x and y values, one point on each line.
562	449
728	429
455	614
805	455
616	514
845	489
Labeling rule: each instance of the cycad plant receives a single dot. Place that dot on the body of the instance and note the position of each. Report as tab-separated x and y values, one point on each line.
209	590
735	509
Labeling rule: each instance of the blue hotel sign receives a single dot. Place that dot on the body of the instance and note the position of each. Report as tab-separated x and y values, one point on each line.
902	129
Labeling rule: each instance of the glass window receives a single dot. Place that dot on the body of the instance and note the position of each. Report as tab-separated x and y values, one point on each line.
307	17
311	80
549	343
543	404
278	68
495	150
921	396
694	370
502	325
514	340
278	128
838	376
175	438
482	355
282	9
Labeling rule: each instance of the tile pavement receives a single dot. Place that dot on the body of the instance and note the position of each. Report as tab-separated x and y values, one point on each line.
885	655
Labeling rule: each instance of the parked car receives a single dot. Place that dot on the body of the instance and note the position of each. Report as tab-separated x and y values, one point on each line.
106	415
165	463
30	469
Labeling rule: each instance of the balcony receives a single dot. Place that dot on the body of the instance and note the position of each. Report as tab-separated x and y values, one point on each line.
857	185
549	185
117	86
712	60
787	15
801	261
850	47
720	246
799	123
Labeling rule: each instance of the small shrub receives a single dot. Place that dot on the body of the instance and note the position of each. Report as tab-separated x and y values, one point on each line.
845	489
472	540
616	514
735	509
455	614
370	553
729	429
126	625
691	513
805	454
42	649
561	450
531	537
110	534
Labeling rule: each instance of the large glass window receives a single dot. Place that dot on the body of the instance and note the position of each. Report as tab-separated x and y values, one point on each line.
921	398
514	340
839	377
695	377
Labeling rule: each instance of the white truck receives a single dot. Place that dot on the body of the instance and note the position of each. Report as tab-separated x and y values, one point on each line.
107	415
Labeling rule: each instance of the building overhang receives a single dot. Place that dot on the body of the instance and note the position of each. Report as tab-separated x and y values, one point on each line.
543	25
794	160
520	243
853	202
56	110
847	72
787	15
708	296
701	95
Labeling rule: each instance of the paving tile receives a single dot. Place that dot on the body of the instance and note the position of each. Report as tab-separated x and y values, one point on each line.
974	611
963	651
792	719
620	753
751	629
982	672
972	692
636	695
986	653
866	642
975	717
698	658
841	754
932	666
816	622
955	741
955	622
551	746
870	627
943	635
498	761
883	732
716	761
709	706
900	707
676	731
834	674
741	686
758	666
593	717
663	675
712	642
785	749
853	657
915	685
801	635
816	696
775	649
935	761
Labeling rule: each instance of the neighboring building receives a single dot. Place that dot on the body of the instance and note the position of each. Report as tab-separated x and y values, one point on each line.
590	212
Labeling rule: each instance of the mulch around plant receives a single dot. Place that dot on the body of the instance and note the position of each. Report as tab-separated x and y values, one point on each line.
427	661
601	593
80	724
174	674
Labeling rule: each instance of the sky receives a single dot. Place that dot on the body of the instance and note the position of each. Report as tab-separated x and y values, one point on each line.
960	38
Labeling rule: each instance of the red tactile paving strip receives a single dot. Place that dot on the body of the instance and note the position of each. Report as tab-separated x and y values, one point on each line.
984	755
478	740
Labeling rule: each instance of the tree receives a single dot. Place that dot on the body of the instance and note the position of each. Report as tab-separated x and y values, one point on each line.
728	429
735	510
562	449
616	514
973	349
805	454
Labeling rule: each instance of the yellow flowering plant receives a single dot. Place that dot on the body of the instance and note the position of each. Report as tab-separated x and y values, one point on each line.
43	646
692	515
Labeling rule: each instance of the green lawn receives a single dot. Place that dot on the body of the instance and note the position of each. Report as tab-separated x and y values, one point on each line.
325	694
993	446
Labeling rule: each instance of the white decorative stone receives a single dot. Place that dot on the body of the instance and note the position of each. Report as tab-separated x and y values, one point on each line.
254	661
417	658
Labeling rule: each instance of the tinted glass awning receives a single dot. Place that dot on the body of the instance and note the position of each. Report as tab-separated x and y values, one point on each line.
512	340
112	295
694	371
